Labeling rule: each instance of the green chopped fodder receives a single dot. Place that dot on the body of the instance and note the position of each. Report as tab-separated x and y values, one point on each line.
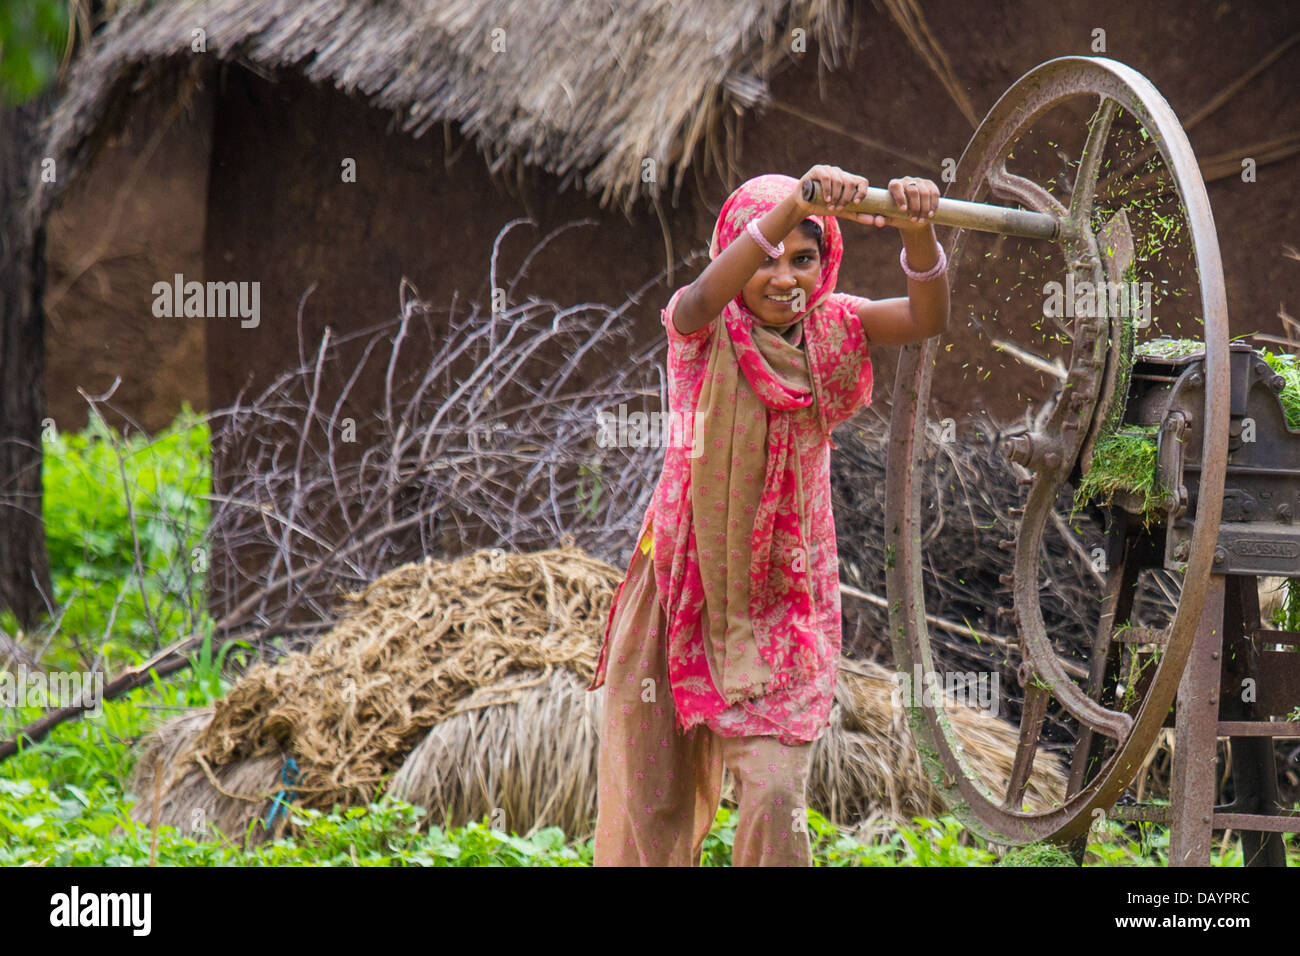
1126	460
1170	348
1123	462
1285	365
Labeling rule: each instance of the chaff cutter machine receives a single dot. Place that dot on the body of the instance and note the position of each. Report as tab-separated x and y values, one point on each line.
1226	456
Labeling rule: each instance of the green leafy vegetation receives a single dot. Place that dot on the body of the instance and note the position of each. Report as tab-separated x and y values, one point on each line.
1285	365
1165	347
1286	616
1036	854
33	34
1125	461
67	800
124	588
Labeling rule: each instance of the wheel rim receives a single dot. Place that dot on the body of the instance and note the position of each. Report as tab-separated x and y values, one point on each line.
977	806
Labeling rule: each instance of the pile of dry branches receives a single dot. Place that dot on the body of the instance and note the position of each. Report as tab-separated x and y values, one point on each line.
493	444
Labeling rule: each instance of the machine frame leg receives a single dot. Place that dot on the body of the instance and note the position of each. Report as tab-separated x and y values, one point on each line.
1254	768
1195	728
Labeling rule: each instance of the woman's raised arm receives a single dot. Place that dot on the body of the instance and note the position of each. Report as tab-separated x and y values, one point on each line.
725	277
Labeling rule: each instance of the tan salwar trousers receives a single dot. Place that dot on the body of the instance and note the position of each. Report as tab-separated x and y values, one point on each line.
658	789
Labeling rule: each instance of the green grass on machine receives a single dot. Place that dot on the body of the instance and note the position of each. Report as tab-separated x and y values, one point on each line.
1126	460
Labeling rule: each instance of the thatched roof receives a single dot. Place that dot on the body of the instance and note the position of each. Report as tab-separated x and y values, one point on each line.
587	91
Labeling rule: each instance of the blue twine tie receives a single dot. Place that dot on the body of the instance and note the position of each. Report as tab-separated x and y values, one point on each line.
280	802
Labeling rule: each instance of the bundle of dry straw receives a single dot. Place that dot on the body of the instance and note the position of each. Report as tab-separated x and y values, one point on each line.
460	686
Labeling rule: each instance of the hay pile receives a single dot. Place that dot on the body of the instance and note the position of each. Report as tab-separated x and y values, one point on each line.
410	650
465	681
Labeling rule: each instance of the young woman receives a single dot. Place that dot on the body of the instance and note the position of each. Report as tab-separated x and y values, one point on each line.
723	640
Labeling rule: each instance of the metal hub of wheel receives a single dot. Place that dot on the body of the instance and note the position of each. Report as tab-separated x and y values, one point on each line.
1092	394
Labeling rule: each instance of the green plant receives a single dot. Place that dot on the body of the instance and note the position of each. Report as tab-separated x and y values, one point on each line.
1036	854
1285	365
1137	664
938	843
1126	460
589	488
33	35
125	521
1286	617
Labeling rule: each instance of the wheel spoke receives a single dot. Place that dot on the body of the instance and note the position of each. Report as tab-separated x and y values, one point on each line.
1099	660
1038	650
1032	718
1085	181
1007	185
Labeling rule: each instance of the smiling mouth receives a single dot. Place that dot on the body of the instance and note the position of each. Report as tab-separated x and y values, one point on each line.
781	299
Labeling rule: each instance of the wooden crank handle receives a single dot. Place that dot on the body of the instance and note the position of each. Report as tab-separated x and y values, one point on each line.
981	217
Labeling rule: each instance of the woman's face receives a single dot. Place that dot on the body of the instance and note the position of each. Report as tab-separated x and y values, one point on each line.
782	288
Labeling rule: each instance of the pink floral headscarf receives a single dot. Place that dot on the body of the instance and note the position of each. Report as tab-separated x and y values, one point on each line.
752	200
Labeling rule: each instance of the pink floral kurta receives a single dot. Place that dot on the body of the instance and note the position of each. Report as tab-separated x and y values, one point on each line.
798	713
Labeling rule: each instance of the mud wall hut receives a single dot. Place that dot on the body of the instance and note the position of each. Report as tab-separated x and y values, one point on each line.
327	150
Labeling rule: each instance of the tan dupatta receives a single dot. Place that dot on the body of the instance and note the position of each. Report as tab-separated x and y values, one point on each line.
727	483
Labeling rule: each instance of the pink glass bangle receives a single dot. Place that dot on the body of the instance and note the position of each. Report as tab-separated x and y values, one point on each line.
774	252
932	273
